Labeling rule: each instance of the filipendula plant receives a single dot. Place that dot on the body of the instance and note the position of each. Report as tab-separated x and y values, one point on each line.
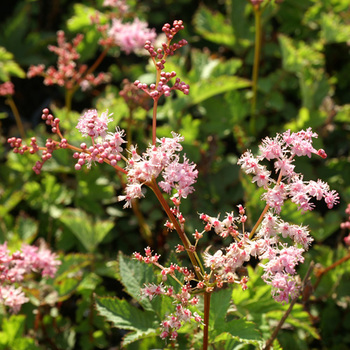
278	245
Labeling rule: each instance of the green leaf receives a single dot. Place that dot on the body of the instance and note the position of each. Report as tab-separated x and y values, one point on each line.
27	229
89	232
72	263
25	344
3	115
296	55
133	275
138	335
66	287
240	330
240	21
219	304
70	274
205	89
13	327
48	195
333	28
213	27
9	200
81	18
125	316
343	114
8	67
80	23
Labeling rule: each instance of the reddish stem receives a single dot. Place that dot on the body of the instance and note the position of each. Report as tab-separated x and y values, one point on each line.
206	320
184	239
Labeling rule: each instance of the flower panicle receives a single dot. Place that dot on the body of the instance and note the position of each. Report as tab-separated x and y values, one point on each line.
14	267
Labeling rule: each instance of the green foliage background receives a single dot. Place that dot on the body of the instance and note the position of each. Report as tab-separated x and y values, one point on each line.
303	82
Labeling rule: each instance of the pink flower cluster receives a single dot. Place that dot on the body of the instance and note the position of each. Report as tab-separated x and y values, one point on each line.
346	225
121	5
273	226
279	270
225	266
264	243
106	146
14	267
130	37
282	150
183	301
68	73
7	88
160	160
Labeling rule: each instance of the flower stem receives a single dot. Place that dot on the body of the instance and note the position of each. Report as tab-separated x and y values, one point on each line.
257	50
206	320
15	112
267	207
154	122
331	267
184	239
286	314
70	92
68	99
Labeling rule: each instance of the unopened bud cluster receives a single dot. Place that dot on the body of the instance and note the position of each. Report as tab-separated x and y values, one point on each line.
156	91
159	56
68	72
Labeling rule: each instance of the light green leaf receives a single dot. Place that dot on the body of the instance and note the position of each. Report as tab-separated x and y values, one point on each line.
213	27
8	67
9	199
297	55
13	327
133	275
333	28
240	330
203	90
134	336
89	232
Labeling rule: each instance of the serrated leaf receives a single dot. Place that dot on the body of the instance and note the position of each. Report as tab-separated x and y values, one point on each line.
134	336
133	276
125	316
